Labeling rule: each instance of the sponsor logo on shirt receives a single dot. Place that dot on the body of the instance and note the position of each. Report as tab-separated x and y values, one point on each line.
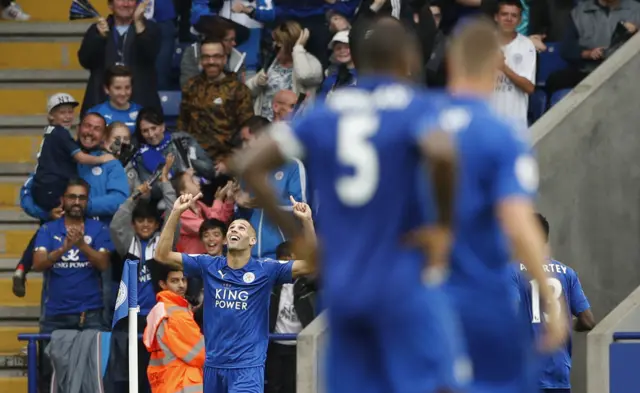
231	299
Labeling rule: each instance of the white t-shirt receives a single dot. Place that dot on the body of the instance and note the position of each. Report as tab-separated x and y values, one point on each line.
509	101
287	322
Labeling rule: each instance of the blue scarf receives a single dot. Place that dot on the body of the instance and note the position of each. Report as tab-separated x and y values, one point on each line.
152	156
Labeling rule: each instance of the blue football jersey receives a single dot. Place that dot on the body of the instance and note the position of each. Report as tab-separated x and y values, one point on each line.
566	288
236	307
360	147
111	114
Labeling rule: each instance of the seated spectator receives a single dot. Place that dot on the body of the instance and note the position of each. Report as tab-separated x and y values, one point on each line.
173	337
108	190
548	20
342	72
289	181
518	69
124	38
12	11
293	69
291	309
588	37
192	219
72	250
118	107
214	103
219	29
155	143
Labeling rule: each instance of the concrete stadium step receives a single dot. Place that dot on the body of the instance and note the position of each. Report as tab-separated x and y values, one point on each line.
13	364
20	148
15	237
9	331
30	99
31	299
15	214
43	55
8	262
10	190
37	76
13	384
14	31
56	10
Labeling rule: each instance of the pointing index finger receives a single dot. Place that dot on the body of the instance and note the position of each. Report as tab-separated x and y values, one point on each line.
292	199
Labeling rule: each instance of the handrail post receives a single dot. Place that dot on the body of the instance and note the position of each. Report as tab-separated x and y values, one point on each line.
32	368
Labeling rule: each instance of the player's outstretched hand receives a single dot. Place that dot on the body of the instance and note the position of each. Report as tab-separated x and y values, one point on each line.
557	329
300	209
185	201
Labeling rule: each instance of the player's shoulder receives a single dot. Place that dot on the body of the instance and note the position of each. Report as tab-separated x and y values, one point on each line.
267	261
384	96
208	259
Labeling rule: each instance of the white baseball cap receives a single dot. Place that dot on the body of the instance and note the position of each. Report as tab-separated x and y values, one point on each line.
60	99
341	36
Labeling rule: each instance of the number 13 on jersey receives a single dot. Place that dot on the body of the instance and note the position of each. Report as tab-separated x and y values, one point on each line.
556	293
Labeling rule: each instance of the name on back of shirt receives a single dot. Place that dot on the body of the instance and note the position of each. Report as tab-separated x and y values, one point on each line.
549	268
394	97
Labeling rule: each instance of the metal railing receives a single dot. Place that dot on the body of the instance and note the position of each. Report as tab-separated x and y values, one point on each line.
32	353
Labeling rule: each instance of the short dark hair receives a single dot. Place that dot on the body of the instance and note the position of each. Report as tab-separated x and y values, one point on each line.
283	251
211	40
78	181
116	71
160	272
212	223
150	114
515	3
145	209
96	114
256	124
544	224
177	181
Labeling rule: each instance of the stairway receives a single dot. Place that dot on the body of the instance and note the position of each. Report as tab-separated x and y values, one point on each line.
38	58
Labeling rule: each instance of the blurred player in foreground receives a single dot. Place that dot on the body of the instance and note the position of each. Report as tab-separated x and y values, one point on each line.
364	149
555	371
498	177
237	289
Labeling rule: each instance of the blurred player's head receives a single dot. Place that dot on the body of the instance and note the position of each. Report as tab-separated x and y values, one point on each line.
284	102
473	57
117	131
186	183
284	252
75	198
252	128
92	131
508	15
212	233
61	110
213	58
241	236
168	278
145	219
387	47
117	85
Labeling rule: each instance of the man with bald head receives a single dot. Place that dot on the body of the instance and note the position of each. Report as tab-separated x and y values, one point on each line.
237	289
284	102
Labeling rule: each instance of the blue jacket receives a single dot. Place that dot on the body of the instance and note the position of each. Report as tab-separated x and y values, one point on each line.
109	190
290	180
278	10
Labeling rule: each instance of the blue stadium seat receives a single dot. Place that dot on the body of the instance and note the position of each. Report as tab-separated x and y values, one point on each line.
549	62
558	95
170	101
537	105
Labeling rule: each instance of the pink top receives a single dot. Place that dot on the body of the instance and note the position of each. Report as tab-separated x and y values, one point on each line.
190	222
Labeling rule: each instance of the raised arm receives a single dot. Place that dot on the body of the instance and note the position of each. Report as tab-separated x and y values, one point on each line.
306	266
164	253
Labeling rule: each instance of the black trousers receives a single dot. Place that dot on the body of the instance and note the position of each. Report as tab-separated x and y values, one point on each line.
4	3
280	371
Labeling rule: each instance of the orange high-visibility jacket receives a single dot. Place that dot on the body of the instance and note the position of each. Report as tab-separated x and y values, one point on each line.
176	345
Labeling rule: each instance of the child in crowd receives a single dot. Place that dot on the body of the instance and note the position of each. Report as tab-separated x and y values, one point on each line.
117	85
59	154
118	142
191	220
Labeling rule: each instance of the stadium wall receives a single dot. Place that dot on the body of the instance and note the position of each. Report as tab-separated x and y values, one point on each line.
588	148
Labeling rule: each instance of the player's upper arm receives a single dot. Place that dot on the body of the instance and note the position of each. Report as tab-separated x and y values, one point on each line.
280	272
102	242
302	268
580	306
192	264
293	138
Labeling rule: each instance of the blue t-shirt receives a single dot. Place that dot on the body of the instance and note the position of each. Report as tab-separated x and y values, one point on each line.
236	307
563	280
55	158
73	284
111	114
146	294
360	147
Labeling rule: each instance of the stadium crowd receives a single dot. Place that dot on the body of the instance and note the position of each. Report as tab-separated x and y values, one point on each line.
103	197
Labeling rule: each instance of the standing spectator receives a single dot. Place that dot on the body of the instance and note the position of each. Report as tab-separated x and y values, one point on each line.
71	251
293	69
337	22
163	12
343	72
220	29
588	37
155	143
173	337
518	69
291	309
124	38
12	11
118	106
214	103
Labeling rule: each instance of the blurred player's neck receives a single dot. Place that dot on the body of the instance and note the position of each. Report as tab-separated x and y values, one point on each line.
237	259
477	87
